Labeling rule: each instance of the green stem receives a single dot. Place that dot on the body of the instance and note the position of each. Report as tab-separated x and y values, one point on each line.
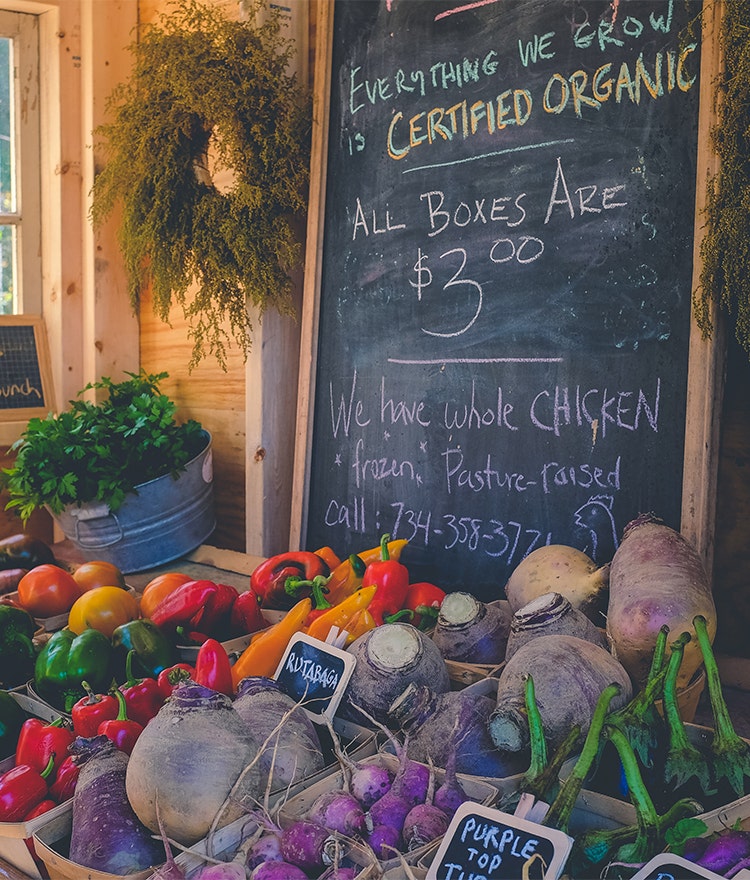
558	814
645	844
731	754
684	761
537	741
542	786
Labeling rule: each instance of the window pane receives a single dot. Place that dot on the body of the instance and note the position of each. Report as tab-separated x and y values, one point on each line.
7	202
7	270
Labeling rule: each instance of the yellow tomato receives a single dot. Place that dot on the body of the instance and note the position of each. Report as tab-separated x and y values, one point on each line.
102	608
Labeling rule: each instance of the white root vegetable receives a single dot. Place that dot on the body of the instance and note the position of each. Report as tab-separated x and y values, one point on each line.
557	568
656	578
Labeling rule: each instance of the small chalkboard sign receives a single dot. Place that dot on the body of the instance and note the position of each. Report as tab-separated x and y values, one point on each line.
25	370
667	866
315	674
483	842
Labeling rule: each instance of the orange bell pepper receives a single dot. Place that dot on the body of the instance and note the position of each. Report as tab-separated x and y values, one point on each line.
341	614
264	653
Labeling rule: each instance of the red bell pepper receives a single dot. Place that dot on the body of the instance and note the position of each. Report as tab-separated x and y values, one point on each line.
39	740
391	577
169	678
121	730
272	579
424	600
201	605
40	809
143	696
246	616
21	789
65	782
89	712
213	669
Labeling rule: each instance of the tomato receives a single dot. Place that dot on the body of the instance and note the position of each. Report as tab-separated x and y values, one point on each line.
98	573
102	608
47	590
159	587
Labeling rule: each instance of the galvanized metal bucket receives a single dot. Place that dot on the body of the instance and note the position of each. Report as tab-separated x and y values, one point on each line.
166	518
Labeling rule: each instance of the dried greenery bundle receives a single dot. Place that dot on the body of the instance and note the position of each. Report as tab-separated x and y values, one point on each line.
204	85
725	248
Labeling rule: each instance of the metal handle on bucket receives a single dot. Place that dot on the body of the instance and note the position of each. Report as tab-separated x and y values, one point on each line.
96	544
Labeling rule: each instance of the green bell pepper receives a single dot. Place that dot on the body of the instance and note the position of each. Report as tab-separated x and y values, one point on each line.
12	718
69	659
154	649
17	651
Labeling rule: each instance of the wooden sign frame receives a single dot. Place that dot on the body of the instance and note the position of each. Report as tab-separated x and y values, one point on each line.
706	357
41	368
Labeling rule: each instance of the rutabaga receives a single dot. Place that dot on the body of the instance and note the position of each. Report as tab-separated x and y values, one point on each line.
470	631
569	675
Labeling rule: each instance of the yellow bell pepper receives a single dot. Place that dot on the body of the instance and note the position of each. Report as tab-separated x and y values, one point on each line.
360	623
264	653
341	614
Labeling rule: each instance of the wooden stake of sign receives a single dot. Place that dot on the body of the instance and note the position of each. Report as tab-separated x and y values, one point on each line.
25	371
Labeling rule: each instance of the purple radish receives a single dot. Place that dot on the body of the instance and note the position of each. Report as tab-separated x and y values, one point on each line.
725	850
266	849
278	871
367	782
308	846
383	839
227	871
450	795
391	809
425	823
339	811
694	848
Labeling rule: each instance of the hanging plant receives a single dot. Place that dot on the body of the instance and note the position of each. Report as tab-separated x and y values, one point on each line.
207	99
725	248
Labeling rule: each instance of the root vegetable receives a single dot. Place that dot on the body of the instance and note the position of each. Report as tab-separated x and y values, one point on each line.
547	615
569	675
557	568
656	578
339	811
308	845
106	834
430	719
294	747
189	757
471	631
278	871
388	659
423	824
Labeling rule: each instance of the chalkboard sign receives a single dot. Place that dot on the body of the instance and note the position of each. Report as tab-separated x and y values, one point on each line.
667	866
314	673
25	373
503	279
482	842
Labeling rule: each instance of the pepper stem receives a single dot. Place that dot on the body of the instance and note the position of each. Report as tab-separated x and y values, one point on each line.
384	552
122	706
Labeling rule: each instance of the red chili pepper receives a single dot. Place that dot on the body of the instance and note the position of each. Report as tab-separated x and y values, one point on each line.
65	782
38	740
170	677
202	605
246	616
89	712
391	577
424	599
270	578
21	789
121	730
213	669
143	696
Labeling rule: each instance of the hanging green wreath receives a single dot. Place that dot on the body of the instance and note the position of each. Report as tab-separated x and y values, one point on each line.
202	85
725	248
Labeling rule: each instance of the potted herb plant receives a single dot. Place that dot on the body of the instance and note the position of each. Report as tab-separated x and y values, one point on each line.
126	481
